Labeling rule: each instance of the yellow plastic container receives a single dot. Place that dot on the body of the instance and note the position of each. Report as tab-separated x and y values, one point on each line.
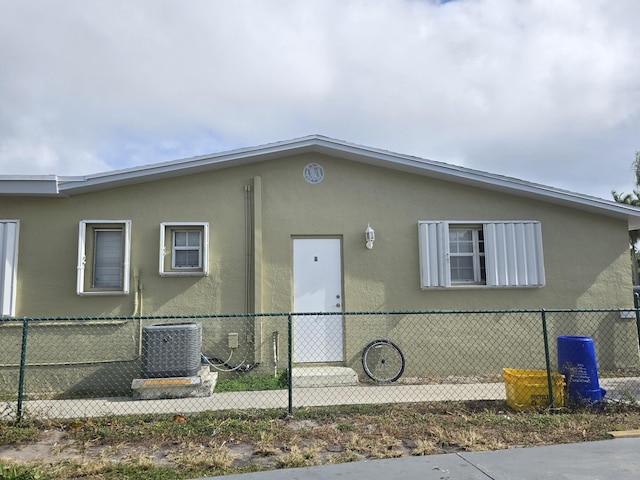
529	389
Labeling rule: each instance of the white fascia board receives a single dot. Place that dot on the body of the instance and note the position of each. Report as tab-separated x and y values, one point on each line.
31	185
188	166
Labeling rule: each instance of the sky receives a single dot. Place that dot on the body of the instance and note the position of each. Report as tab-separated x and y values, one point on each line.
546	91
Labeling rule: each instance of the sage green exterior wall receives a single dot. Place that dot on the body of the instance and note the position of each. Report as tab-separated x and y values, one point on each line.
586	255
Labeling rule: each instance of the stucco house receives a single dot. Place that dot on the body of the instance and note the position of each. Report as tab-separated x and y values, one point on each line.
310	224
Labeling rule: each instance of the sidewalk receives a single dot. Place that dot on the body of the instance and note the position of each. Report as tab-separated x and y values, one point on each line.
608	459
617	389
302	397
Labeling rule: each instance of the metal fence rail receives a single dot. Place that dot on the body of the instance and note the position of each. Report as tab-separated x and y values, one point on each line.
81	367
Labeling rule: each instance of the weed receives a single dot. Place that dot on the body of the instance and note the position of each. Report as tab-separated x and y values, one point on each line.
265	446
297	458
424	447
344	427
18	472
209	457
357	444
344	457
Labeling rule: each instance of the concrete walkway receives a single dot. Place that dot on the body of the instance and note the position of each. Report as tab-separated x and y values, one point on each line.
302	397
617	459
617	390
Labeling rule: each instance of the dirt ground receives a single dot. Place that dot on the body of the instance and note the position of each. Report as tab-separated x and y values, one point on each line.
217	443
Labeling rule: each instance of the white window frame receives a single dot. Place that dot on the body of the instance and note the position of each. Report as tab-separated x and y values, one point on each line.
167	247
513	254
90	226
9	236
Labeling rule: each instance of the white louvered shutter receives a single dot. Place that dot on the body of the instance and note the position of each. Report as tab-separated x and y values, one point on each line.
8	266
513	254
433	240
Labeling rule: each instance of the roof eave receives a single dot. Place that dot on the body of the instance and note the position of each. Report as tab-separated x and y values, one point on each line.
29	185
68	186
189	166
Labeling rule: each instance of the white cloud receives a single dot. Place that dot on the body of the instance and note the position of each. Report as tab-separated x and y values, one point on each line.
547	91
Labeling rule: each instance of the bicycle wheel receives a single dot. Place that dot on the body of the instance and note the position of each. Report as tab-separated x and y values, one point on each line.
383	361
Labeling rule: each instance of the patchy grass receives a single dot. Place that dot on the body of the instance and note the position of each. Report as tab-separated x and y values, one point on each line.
12	433
252	383
218	443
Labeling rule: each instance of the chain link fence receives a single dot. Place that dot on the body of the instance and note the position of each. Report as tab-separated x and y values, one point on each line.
83	367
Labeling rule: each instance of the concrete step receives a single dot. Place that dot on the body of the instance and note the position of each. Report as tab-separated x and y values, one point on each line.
324	377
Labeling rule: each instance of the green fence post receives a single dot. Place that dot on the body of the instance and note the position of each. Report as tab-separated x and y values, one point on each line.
290	363
547	358
23	365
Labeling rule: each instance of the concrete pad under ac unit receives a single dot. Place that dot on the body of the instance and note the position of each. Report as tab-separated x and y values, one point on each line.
201	385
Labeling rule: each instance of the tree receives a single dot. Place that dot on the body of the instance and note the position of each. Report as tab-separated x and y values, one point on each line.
634	200
636	168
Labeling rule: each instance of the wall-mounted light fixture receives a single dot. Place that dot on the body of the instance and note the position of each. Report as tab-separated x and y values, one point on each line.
369	236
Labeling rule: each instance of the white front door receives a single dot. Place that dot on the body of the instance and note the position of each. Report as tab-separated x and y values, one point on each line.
317	287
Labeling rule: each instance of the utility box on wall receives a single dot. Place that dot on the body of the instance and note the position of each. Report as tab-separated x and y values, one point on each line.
171	350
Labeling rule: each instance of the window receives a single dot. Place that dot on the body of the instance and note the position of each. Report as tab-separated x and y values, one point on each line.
466	249
187	249
8	266
184	248
103	257
495	254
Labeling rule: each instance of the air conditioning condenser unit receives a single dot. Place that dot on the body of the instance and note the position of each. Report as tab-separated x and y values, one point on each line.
171	350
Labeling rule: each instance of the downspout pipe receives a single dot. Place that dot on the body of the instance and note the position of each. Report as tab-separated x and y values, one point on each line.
275	339
137	306
248	246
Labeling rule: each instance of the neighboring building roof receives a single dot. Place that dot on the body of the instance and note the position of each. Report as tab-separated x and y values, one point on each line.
52	185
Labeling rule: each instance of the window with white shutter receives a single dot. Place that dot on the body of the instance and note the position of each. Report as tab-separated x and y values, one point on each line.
8	266
494	254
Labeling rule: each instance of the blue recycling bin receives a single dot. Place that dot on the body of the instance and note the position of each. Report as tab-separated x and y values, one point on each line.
577	362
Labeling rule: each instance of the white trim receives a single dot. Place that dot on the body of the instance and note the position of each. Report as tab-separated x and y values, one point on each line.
163	251
82	258
37	185
9	241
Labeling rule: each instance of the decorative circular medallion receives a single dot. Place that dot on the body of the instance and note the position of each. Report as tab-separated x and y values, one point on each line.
313	173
